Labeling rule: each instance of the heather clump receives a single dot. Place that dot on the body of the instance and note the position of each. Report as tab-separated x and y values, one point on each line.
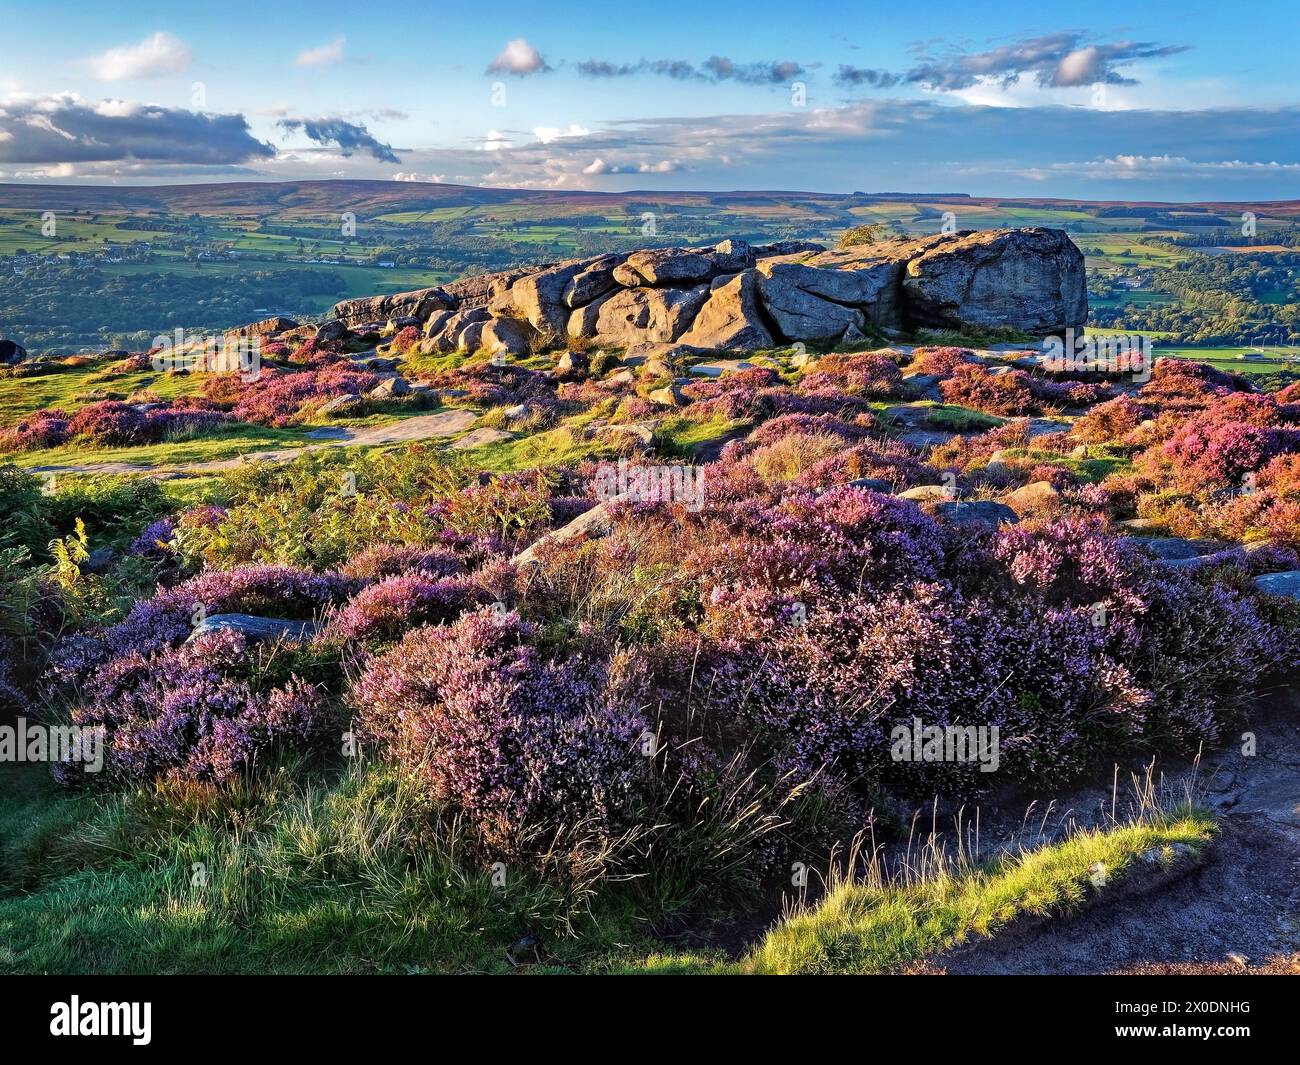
522	745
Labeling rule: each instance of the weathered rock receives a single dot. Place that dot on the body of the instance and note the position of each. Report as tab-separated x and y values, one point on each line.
540	297
984	512
872	484
593	523
820	303
11	353
1177	548
572	364
419	303
927	493
1032	496
732	256
717	367
659	315
801	314
451	337
592	282
331	330
665	266
265	327
731	317
340	403
669	396
507	336
1031	280
258	629
1286	583
479	437
476	291
393	386
584	321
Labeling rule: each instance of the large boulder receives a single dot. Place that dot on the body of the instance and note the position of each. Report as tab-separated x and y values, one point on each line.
665	266
11	353
478	290
540	297
507	336
593	281
452	336
798	314
658	315
266	327
1029	280
419	303
820	305
731	318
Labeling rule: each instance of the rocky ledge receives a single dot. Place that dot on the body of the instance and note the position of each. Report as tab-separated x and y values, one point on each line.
742	297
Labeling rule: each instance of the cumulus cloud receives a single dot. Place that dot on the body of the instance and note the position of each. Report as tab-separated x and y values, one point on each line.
923	145
1057	60
52	130
324	56
160	54
854	77
546	134
348	137
600	166
716	68
520	58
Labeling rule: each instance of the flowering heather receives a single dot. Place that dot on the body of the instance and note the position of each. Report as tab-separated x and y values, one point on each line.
392	560
1211	453
386	610
1006	394
155	624
44	428
185	714
496	731
110	423
279	399
494	386
153	539
868	374
1110	421
941	361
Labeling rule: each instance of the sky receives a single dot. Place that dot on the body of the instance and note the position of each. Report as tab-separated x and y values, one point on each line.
1153	101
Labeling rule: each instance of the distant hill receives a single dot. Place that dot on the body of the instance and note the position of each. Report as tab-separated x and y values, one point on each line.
260	198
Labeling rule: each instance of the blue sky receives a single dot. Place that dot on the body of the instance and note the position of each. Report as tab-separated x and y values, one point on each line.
1105	100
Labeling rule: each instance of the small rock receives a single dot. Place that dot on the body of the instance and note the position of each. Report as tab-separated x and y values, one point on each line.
572	364
479	437
257	629
394	386
979	512
340	403
669	396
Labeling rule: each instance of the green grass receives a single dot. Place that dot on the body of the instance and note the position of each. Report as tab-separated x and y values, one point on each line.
352	876
69	388
864	928
223	442
356	873
959	419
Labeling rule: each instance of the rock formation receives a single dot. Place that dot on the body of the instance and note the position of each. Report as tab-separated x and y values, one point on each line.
744	298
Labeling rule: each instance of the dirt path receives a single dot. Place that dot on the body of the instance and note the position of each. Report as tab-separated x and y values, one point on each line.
1239	911
419	427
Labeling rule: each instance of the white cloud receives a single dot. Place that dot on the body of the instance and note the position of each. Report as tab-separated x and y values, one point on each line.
162	53
324	56
495	142
520	58
546	134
